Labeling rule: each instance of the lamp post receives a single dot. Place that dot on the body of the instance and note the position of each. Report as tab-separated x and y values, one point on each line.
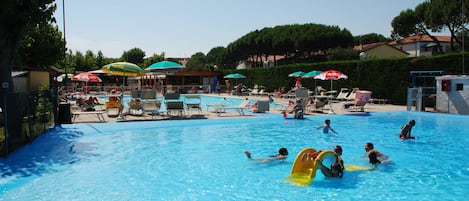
462	33
65	45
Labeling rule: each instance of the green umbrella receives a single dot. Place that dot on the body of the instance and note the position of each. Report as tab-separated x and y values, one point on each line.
296	74
234	76
123	69
164	65
311	74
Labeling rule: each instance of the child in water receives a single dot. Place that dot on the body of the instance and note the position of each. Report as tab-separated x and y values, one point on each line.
326	127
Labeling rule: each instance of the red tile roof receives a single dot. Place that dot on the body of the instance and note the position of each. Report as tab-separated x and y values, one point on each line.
421	38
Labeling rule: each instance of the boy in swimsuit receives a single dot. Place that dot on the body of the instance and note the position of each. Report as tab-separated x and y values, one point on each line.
406	129
375	157
326	127
282	155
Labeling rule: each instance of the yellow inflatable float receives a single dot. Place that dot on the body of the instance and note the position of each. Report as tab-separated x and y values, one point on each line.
304	168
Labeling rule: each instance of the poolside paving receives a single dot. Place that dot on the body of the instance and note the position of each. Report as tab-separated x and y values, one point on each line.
332	109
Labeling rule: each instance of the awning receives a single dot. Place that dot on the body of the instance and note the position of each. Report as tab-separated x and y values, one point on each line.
18	73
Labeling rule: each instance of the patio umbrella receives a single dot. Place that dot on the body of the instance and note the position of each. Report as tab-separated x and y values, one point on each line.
86	77
331	75
124	69
296	74
62	77
234	76
312	74
164	66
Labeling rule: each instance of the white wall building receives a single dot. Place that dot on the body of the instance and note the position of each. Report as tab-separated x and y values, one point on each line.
452	94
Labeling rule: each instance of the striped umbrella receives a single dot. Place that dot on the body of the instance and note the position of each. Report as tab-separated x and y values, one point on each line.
123	69
86	77
331	75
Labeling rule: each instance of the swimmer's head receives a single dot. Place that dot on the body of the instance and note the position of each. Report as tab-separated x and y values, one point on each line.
283	151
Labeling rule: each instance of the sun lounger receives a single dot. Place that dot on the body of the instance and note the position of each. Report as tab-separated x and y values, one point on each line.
193	103
76	112
151	106
361	98
344	92
175	107
220	108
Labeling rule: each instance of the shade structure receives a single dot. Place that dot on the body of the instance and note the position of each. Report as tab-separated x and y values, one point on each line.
123	69
99	71
331	75
86	77
62	77
311	74
234	76
164	67
296	74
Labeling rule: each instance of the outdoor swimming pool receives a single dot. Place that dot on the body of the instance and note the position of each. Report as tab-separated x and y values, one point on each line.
204	160
204	100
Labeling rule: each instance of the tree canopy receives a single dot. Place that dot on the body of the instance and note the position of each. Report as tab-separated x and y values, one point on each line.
433	16
291	40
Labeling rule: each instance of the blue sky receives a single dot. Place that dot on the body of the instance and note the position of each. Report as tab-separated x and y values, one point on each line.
180	28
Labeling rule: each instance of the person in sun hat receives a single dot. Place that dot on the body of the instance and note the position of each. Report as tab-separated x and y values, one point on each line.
282	155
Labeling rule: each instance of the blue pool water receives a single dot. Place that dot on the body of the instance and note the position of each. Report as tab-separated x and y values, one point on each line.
204	101
204	160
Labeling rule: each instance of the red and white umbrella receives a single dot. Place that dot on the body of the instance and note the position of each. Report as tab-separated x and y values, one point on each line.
331	75
86	77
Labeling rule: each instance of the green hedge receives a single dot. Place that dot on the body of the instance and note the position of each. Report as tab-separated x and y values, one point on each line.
387	78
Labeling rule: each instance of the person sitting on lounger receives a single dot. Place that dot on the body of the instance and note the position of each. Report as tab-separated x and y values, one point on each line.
282	155
92	100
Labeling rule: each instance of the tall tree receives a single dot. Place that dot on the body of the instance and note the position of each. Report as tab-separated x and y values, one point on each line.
198	62
134	55
15	17
433	16
41	47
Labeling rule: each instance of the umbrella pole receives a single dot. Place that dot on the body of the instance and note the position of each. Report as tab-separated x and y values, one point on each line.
121	108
